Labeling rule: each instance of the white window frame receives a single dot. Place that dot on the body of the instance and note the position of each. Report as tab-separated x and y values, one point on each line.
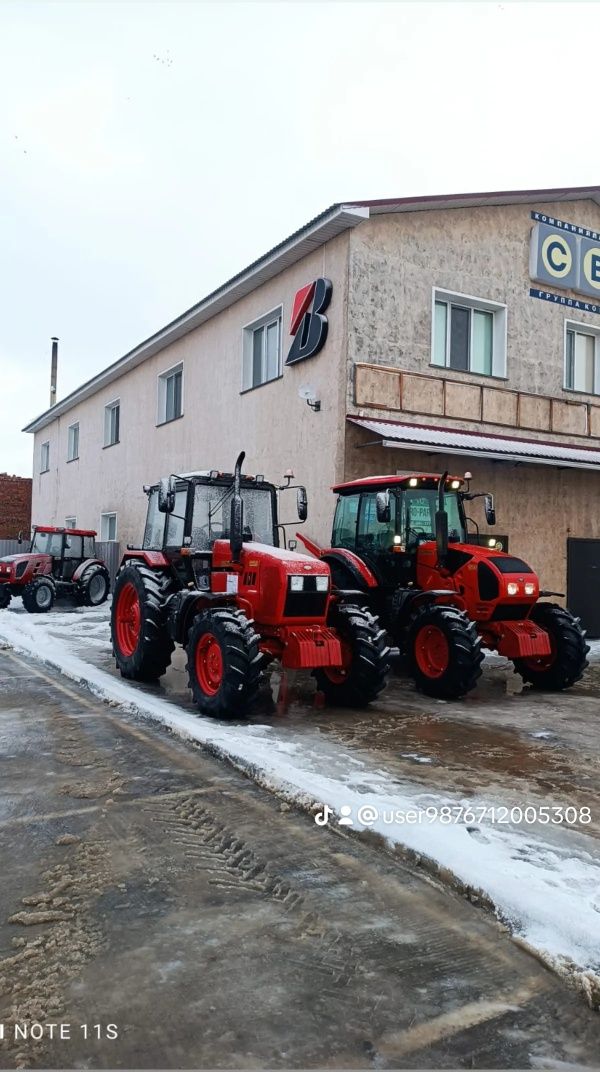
499	331
45	456
70	440
583	329
109	407
106	518
70	522
161	394
275	315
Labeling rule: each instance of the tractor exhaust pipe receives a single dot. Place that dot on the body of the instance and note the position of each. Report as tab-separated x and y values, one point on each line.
236	526
53	371
441	523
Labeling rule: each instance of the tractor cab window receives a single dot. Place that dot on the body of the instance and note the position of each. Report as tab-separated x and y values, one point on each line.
417	516
47	543
73	547
176	520
155	524
344	523
89	548
212	509
374	537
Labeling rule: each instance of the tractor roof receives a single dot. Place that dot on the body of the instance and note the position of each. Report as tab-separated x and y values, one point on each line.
68	532
392	478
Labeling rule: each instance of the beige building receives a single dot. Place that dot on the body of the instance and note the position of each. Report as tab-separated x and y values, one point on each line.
462	332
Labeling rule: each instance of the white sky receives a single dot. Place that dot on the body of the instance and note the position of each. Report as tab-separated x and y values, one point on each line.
148	151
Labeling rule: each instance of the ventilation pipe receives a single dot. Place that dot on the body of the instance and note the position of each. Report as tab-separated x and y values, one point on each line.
53	371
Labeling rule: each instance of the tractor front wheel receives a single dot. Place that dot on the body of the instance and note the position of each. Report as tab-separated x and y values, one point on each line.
39	595
444	651
5	596
141	643
567	660
224	662
363	673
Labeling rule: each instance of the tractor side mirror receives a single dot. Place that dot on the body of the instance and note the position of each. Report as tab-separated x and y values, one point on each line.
302	502
166	495
236	527
441	536
490	513
382	506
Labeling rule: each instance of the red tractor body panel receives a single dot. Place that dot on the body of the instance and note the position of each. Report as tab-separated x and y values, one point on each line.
37	564
79	572
342	553
152	559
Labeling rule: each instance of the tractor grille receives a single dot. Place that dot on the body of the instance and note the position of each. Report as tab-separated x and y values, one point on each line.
489	587
306	604
511	613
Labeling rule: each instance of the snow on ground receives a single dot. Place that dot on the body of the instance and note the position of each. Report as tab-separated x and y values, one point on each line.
544	882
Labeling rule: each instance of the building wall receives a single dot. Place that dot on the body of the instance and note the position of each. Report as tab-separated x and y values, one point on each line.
272	423
15	506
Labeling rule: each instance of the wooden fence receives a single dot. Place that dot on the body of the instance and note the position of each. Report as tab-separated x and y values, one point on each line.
110	552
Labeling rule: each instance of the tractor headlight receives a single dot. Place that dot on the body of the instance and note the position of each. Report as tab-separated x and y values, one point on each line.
529	589
512	588
322	584
296	584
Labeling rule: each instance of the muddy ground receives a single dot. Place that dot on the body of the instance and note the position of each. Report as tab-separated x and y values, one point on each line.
148	886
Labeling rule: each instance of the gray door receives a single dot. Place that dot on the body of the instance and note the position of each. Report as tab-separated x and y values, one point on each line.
583	583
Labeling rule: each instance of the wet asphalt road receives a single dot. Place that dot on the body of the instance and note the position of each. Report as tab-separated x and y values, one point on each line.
147	885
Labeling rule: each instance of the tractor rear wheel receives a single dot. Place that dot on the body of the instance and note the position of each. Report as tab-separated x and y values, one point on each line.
39	595
567	660
363	674
5	596
224	662
141	643
444	651
94	586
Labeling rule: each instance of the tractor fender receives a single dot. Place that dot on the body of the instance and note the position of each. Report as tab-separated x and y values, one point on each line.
79	572
405	600
151	559
351	567
184	606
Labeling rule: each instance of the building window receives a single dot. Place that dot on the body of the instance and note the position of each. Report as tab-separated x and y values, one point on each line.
108	527
112	420
582	359
262	351
170	394
468	334
45	458
70	522
73	443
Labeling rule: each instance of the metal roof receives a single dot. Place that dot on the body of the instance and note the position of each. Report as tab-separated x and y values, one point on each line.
315	233
440	440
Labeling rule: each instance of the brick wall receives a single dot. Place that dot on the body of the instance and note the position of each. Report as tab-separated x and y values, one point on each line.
15	506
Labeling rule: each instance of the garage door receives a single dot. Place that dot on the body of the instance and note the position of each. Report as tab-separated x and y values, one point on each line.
583	582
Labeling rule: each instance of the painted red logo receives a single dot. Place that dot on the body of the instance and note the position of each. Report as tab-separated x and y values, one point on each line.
308	324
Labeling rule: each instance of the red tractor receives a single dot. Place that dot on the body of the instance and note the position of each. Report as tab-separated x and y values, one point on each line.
212	577
403	541
61	563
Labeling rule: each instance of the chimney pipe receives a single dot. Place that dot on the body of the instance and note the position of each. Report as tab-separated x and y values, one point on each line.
53	371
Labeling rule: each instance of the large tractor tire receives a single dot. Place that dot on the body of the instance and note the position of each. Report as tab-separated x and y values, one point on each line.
141	643
363	674
39	595
443	651
567	661
5	596
94	586
224	662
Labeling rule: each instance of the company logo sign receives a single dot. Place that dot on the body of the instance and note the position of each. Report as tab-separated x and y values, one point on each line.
565	255
309	324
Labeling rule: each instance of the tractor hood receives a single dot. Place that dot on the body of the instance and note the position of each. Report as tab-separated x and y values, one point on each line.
36	563
26	555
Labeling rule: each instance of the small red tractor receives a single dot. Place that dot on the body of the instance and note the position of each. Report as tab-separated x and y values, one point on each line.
61	564
403	542
212	577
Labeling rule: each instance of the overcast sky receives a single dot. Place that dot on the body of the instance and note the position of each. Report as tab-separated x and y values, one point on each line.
148	151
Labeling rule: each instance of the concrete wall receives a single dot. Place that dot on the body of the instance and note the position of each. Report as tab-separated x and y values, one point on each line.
396	260
275	427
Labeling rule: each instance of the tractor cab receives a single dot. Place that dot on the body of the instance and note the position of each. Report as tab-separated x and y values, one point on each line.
385	520
67	548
